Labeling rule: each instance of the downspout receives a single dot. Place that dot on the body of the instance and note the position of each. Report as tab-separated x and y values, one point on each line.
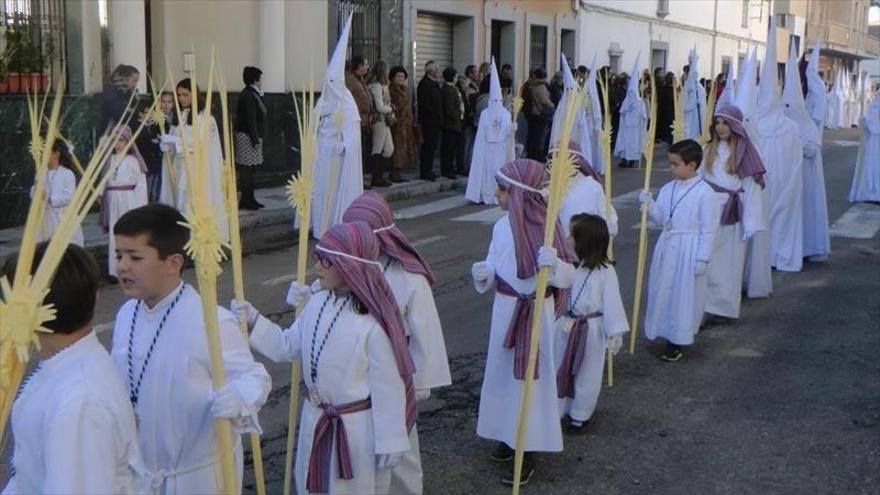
714	38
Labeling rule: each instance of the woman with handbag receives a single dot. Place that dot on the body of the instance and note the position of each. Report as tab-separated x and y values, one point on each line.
383	118
402	131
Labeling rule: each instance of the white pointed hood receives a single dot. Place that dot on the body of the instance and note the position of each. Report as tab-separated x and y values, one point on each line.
632	88
816	90
727	95
335	97
593	93
498	117
793	101
567	76
770	114
746	91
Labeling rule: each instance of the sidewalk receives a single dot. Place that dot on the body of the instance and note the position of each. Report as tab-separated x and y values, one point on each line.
277	214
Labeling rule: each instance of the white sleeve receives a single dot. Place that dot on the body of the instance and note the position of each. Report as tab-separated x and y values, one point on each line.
657	212
378	100
62	190
247	377
81	448
276	344
614	319
387	394
753	198
562	275
426	344
709	214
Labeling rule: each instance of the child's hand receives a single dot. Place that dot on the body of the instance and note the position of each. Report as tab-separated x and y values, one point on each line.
645	197
480	271
547	257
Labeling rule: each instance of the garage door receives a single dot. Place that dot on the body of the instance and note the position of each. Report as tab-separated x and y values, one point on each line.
433	42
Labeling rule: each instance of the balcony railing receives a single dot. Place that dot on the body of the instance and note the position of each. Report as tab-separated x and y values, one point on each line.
32	48
840	37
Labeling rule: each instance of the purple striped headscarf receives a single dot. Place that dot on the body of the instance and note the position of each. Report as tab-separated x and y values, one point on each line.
748	160
527	210
354	251
582	163
372	208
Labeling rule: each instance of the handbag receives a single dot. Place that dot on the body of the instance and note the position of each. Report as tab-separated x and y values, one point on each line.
390	119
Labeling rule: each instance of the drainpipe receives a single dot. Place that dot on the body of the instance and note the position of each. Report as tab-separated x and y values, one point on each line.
714	37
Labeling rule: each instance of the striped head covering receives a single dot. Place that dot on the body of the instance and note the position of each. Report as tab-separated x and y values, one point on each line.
123	133
583	164
525	181
372	209
748	160
354	251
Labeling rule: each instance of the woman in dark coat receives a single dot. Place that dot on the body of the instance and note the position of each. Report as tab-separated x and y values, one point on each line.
250	131
405	146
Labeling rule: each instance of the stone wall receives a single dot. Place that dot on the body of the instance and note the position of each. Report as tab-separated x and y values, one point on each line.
79	114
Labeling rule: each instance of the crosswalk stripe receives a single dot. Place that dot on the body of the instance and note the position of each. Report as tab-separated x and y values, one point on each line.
431	207
860	221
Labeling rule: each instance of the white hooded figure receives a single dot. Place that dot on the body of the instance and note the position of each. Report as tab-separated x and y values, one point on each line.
727	95
338	176
580	129
492	145
781	148
816	102
866	179
817	242
633	120
757	280
694	99
835	103
594	120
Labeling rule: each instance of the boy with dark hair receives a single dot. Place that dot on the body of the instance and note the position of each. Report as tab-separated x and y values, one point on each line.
74	429
688	209
148	145
161	351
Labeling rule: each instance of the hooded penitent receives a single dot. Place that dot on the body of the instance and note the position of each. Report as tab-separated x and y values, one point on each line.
727	95
816	93
633	120
594	119
580	131
694	99
492	144
866	178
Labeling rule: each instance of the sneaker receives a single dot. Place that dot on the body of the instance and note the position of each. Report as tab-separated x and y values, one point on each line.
671	355
528	470
573	429
502	453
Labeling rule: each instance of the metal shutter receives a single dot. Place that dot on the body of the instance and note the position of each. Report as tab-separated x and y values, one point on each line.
433	42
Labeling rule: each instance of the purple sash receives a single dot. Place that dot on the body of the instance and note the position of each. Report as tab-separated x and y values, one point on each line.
575	350
518	333
732	213
328	429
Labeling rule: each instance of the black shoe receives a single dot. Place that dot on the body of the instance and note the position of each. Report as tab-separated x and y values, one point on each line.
711	320
450	176
502	453
671	355
528	470
572	429
248	206
259	205
430	177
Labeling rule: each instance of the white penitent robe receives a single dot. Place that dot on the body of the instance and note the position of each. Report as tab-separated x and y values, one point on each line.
725	273
339	148
215	175
866	178
585	195
73	427
60	186
633	128
126	174
694	110
176	434
782	153
592	290
502	392
688	212
833	112
428	350
817	239
355	361
492	149
580	131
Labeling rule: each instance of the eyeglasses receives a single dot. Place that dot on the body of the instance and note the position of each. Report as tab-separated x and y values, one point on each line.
323	261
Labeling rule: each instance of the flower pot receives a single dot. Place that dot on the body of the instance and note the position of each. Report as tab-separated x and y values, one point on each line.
25	83
36	82
4	85
14	82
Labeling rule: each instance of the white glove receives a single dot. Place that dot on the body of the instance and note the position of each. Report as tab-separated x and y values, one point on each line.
170	141
809	150
700	267
547	257
245	312
226	403
387	461
645	197
165	147
297	294
748	234
615	343
423	393
480	271
338	149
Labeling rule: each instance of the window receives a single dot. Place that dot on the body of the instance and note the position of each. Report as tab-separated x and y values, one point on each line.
745	13
538	48
35	40
662	8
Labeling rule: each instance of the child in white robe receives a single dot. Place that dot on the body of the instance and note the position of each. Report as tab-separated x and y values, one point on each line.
585	195
59	189
511	266
126	189
866	177
161	352
686	208
594	316
73	425
356	368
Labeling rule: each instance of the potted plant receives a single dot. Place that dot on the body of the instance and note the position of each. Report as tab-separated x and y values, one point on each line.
4	72
13	59
48	59
27	60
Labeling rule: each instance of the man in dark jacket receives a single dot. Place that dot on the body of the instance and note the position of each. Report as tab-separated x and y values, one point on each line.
453	115
250	131
540	112
116	97
147	143
430	106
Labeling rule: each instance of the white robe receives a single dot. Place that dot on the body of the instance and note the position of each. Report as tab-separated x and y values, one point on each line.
676	295
216	175
585	195
833	112
601	292
74	428
580	131
694	110
349	182
60	187
633	129
866	177
492	149
428	350
817	240
724	276
357	362
501	393
176	428
782	152
126	174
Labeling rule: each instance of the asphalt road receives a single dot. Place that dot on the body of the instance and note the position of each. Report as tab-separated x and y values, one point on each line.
785	401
